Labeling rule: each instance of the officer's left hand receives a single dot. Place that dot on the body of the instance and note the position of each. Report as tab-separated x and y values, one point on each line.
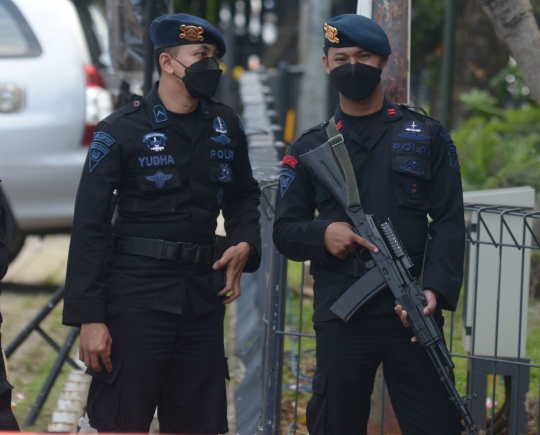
235	258
431	301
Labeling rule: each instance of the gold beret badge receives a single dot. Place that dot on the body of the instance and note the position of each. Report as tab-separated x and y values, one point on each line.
331	34
191	33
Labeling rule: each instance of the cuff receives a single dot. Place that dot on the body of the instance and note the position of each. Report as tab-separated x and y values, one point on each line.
315	234
77	312
254	239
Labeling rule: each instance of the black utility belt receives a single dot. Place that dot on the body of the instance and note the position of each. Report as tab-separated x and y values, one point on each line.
349	266
188	253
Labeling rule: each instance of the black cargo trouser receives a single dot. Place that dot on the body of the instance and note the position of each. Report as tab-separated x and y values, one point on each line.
173	361
348	355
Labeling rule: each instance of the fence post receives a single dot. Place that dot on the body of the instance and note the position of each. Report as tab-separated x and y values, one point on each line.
273	355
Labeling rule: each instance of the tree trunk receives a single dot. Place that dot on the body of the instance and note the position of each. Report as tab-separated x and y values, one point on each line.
515	24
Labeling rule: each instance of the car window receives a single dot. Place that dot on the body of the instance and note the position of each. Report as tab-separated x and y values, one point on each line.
16	36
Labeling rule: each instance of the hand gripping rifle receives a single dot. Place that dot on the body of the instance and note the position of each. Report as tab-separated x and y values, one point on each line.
331	164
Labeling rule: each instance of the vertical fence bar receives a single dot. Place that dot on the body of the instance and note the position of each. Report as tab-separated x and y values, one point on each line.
273	362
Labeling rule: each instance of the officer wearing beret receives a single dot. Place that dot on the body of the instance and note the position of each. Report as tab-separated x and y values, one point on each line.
406	169
151	318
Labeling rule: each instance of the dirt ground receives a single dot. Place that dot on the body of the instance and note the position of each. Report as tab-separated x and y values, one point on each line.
31	281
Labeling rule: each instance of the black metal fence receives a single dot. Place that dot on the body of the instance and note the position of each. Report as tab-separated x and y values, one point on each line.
494	336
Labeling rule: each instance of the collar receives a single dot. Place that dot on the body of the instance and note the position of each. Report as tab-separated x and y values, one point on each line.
391	112
158	114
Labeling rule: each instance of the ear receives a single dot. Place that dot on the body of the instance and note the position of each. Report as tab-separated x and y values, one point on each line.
326	64
165	61
384	61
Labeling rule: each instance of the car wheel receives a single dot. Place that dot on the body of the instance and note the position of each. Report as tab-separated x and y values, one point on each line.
14	238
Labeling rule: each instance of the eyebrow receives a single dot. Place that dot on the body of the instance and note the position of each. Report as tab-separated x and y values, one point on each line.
343	53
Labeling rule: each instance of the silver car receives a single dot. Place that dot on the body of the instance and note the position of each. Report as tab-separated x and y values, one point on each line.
52	94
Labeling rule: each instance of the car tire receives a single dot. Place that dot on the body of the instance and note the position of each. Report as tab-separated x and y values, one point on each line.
14	237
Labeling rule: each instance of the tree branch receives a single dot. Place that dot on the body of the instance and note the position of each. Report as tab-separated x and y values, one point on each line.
515	24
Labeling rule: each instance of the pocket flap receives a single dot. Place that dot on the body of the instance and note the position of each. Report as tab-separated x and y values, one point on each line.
319	380
412	165
104	375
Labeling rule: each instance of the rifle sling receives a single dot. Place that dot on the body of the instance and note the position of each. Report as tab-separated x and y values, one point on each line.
338	145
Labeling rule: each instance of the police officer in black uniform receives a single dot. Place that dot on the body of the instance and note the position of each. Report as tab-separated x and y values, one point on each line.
151	318
7	419
406	169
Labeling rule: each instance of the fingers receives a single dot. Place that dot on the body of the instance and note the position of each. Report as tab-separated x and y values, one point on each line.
94	363
402	316
107	362
431	302
363	242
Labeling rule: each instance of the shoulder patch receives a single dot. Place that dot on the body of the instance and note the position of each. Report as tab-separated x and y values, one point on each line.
452	152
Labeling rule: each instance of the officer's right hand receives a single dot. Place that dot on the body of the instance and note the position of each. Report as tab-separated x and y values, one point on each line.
95	343
340	240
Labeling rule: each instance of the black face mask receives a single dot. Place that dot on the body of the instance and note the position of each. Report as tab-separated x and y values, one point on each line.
201	78
356	81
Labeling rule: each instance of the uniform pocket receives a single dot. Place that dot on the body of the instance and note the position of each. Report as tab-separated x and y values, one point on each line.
411	177
104	398
316	407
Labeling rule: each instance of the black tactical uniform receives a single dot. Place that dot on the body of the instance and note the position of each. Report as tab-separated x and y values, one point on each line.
173	173
406	168
7	419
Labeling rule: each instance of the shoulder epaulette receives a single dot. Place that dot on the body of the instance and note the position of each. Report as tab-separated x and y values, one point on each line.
418	110
316	128
124	110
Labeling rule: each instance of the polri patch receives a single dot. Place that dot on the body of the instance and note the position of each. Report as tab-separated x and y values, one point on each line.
104	138
222	155
411	148
412	188
289	160
159	178
155	141
286	176
163	160
160	114
412	166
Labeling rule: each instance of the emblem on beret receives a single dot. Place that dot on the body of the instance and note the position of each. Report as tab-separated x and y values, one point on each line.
331	34
191	33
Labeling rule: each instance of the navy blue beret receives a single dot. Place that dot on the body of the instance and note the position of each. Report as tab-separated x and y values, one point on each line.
180	29
351	30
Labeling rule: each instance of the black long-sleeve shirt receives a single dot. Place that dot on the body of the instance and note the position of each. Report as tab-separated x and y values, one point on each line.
406	168
172	183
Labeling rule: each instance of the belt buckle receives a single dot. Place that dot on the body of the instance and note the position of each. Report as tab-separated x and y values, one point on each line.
187	252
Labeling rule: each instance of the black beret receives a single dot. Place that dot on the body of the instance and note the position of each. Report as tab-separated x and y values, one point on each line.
180	29
351	30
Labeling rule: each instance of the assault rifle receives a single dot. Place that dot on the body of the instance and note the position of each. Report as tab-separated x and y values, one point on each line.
389	267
